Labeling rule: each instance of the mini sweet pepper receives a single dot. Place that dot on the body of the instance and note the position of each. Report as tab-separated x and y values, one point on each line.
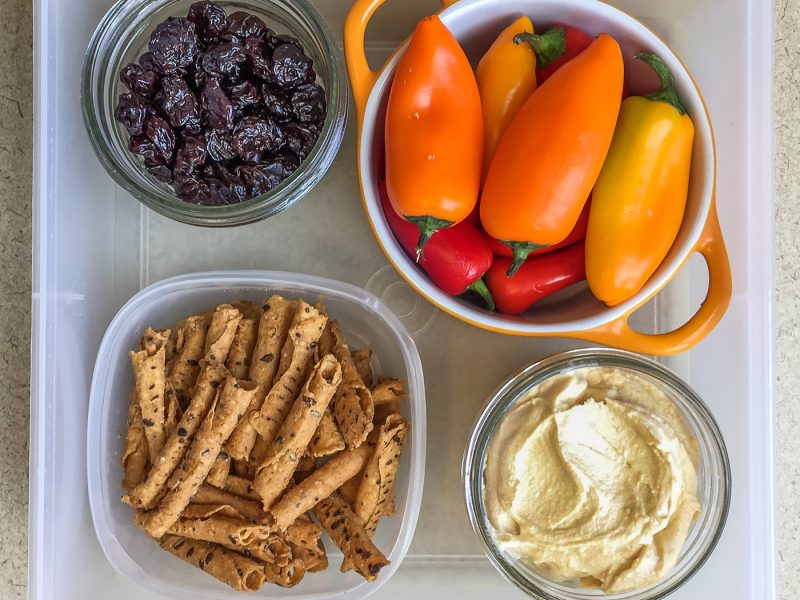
434	132
640	196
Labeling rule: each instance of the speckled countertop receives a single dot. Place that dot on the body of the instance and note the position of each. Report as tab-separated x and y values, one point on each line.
15	259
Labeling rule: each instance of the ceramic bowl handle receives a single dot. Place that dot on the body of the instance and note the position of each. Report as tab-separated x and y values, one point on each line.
362	78
712	247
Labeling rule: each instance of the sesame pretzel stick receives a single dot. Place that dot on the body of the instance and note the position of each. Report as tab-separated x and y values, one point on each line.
327	439
292	439
220	470
241	573
319	484
349	488
249	509
362	359
305	539
352	406
348	533
250	310
387	391
272	331
241	487
135	456
221	332
149	369
184	369
233	399
241	352
220	529
300	344
148	492
375	497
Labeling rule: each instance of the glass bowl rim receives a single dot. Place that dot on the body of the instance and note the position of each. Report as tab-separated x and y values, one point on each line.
504	396
291	190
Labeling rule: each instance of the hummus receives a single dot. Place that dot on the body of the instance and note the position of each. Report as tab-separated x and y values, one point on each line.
591	476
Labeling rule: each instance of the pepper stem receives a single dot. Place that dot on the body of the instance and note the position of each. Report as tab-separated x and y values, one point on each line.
667	92
479	287
427	227
547	46
520	251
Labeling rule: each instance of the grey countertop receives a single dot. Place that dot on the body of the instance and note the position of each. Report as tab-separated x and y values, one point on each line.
15	259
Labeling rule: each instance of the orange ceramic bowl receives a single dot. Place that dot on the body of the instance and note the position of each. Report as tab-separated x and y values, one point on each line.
476	23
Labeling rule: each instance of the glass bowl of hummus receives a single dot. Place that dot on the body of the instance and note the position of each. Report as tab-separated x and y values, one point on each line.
597	473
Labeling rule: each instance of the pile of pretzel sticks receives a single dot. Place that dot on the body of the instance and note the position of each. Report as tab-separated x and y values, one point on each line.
253	428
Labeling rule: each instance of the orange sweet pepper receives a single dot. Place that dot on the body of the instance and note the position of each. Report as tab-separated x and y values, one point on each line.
551	154
640	197
434	132
506	76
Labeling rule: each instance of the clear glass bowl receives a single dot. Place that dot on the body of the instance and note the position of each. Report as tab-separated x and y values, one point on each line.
122	36
713	474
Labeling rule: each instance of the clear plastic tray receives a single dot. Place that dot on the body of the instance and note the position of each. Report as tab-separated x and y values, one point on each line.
95	247
365	321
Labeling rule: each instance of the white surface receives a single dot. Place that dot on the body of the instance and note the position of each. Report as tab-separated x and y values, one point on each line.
94	248
365	321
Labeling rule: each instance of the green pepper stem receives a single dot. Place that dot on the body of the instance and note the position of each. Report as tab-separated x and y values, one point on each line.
667	92
547	46
520	251
479	287
427	227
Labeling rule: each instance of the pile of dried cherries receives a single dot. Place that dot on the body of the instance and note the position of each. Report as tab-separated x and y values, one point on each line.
221	107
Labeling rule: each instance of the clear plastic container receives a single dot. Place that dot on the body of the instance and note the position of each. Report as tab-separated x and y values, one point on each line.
95	246
365	321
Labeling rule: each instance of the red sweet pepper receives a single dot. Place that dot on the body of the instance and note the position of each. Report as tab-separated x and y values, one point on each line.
576	42
577	234
538	277
455	258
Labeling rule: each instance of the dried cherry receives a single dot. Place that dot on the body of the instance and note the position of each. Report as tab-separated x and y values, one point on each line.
277	39
158	131
139	144
300	138
193	125
209	19
276	105
308	103
253	138
220	106
242	25
139	80
148	63
290	67
223	60
173	44
219	145
216	106
131	111
258	64
161	172
244	94
279	169
179	103
191	155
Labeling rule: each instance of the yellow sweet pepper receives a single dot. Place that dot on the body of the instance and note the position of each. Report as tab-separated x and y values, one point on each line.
639	198
506	76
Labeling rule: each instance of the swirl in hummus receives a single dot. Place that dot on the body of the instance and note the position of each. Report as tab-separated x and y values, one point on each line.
591	476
